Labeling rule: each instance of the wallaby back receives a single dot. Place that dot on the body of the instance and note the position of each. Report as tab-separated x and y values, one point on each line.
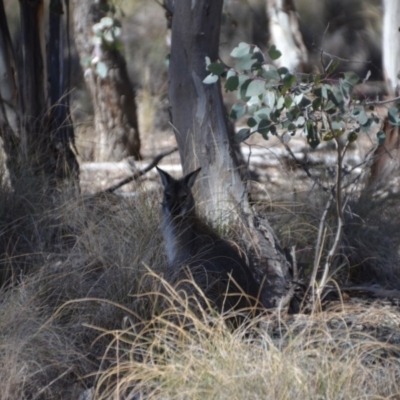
189	241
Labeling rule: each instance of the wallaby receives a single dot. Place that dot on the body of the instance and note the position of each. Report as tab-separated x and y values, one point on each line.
189	241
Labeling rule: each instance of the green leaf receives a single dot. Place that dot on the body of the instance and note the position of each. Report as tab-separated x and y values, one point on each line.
255	88
288	102
264	126
298	98
300	121
97	29
108	36
272	74
393	115
107	22
242	135
333	67
362	117
352	78
243	90
352	137
238	110
241	50
316	104
101	69
252	122
274	53
230	73
312	135
216	68
324	92
381	135
263	113
211	78
280	103
232	83
245	63
328	136
116	31
269	98
282	71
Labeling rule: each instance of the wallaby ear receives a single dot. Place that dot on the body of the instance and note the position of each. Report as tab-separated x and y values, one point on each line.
165	178
190	178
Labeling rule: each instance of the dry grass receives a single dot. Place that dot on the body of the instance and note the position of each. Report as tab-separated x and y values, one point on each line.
180	354
86	312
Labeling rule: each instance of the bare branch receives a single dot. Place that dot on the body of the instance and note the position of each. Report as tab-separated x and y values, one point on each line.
143	171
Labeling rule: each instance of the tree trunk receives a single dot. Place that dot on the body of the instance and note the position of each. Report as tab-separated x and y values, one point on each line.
9	121
33	82
387	156
286	36
62	132
204	139
40	141
113	96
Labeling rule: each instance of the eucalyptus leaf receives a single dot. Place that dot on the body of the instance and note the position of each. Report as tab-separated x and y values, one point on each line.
274	53
252	122
255	88
245	63
263	113
352	78
272	74
352	136
107	22
211	78
264	126
232	83
312	135
238	110
241	50
242	135
269	98
216	68
101	69
381	135
393	115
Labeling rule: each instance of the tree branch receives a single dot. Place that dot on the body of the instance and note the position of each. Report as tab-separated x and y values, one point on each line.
143	171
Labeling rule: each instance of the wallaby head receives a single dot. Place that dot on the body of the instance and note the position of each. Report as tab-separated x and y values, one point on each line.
178	199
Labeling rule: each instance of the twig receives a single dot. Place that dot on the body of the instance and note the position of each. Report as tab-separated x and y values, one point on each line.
303	165
375	103
143	171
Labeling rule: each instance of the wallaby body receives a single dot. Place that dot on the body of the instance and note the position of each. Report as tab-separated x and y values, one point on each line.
189	241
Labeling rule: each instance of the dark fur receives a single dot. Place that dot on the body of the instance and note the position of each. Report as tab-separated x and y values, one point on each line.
190	242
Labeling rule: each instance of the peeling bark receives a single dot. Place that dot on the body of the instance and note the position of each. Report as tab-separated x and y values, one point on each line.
113	96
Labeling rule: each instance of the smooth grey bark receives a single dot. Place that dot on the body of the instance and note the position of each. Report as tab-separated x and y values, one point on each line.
205	139
113	97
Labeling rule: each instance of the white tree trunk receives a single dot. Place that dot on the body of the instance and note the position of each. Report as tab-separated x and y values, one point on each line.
391	45
387	156
286	36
